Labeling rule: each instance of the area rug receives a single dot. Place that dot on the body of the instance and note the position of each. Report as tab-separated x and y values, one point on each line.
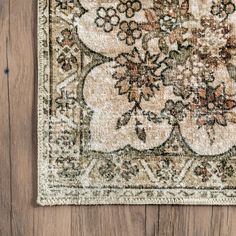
137	102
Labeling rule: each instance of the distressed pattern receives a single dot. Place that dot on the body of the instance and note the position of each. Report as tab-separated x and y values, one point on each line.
137	102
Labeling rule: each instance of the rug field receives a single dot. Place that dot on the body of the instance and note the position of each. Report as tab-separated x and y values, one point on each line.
137	102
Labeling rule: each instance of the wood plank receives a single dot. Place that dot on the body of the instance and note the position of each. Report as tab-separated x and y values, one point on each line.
199	220
21	84
108	220
27	218
231	220
221	221
167	220
50	221
152	220
184	220
5	186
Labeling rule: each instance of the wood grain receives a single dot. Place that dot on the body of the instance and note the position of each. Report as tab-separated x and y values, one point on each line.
5	187
21	84
152	220
231	220
108	221
50	221
199	220
179	220
221	221
19	214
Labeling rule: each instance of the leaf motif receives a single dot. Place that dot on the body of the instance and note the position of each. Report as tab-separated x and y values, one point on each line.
152	117
231	117
220	119
150	15
184	7
147	37
232	71
176	35
141	133
211	133
152	24
163	46
123	120
147	27
175	2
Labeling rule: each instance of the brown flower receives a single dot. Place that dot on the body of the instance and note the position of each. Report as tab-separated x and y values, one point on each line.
177	35
223	8
129	7
229	50
174	111
66	38
166	20
213	42
65	4
211	105
129	32
206	170
136	76
152	23
203	170
165	23
67	61
166	171
184	71
107	18
166	16
224	170
125	169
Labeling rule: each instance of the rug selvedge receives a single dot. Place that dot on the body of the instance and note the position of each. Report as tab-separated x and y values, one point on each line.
136	102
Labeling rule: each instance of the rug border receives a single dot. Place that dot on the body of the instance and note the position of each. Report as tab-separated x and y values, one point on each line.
42	153
133	201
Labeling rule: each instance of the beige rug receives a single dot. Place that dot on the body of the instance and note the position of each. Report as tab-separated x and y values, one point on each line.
137	102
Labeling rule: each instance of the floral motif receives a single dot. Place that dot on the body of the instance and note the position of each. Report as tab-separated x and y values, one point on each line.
107	18
68	167
136	75
208	170
65	102
125	169
166	20
67	61
67	138
202	170
68	51
174	111
129	32
138	78
213	42
129	7
222	8
66	38
212	106
166	170
188	52
183	72
168	23
108	170
72	8
64	4
224	170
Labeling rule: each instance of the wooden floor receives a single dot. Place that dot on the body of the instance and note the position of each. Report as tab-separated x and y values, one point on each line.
19	214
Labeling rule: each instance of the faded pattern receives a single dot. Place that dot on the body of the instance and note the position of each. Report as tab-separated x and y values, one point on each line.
137	102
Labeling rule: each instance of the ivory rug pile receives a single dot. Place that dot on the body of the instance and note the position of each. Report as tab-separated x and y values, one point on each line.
137	102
